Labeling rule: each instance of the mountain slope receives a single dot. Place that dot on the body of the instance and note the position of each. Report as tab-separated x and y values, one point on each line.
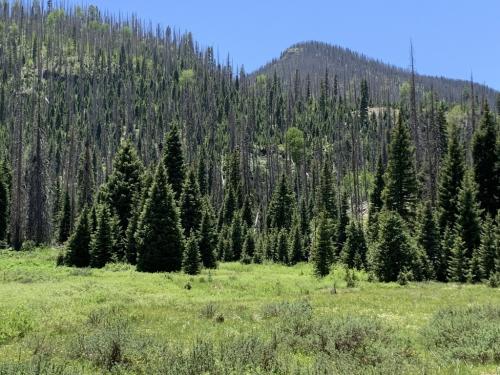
313	58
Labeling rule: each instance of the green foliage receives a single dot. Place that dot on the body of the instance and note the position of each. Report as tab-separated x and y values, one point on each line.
248	252
343	222
4	205
428	238
296	246
160	243
190	205
208	238
487	251
78	247
101	244
282	246
173	161
355	249
65	219
376	201
322	248
326	195
237	237
458	263
281	207
486	157
246	212
400	192
295	142
191	261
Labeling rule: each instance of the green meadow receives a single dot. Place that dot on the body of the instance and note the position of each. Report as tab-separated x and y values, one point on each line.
237	319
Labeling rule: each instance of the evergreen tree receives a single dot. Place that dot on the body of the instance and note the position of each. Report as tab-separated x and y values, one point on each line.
305	227
246	212
458	263
451	178
497	242
65	219
486	156
208	239
327	198
101	244
124	183
282	246
191	261
394	252
160	243
295	252
475	273
354	251
400	192
376	202
118	240
442	130
343	223
487	249
248	247
190	204
229	208
468	221
85	179
202	174
237	237
173	161
234	176
428	238
322	248
281	207
4	207
78	247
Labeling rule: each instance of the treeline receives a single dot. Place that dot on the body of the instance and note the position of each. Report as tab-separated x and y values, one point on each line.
127	143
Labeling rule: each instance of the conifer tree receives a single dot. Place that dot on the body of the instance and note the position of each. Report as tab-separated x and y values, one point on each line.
248	252
342	224
376	201
322	248
394	252
191	261
202	174
173	161
85	179
224	250
281	207
101	244
354	251
78	247
190	204
305	228
468	221
429	239
487	249
486	157
400	192
327	198
246	212
118	240
160	243
451	178
124	183
475	272
4	207
282	246
237	236
295	252
458	263
65	219
234	176
208	239
230	207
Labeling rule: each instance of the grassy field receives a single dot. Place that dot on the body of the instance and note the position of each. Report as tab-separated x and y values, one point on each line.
237	319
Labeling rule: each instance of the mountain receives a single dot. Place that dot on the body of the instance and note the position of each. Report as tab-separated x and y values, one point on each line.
315	58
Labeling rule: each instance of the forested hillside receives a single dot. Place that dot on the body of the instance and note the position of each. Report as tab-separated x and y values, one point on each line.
308	63
127	142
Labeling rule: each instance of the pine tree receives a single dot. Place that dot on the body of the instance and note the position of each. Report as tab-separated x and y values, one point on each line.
78	247
118	240
202	174
327	198
452	175
442	130
342	224
475	272
229	208
65	219
248	247
354	251
101	244
281	207
497	242
487	249
236	238
246	212
190	204
282	246
208	239
295	251
234	176
322	248
458	263
173	161
428	238
486	156
160	243
124	183
305	228
191	261
468	221
85	179
400	192
376	202
394	252
4	207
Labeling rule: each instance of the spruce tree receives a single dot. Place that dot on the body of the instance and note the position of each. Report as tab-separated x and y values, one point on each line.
322	248
468	221
65	219
190	204
451	177
4	207
101	244
376	201
202	174
248	247
458	262
295	251
124	183
305	228
160	243
281	207
208	239
475	273
487	249
173	161
486	157
342	223
428	237
229	208
191	261
355	249
282	246
400	192
78	247
327	198
237	236
246	212
85	178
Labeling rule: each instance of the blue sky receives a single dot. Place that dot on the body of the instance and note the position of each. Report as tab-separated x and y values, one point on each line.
451	38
